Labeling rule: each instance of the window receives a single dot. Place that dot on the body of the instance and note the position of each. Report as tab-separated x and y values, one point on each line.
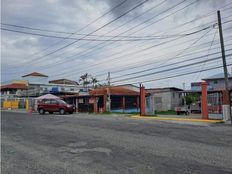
71	89
62	89
173	95
54	102
215	81
47	101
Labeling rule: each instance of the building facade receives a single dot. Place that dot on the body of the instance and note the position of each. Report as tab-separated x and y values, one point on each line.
163	99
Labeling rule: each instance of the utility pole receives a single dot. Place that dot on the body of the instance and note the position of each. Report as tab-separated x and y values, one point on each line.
108	94
140	113
224	63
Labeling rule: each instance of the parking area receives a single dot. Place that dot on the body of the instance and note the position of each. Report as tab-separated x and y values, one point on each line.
88	143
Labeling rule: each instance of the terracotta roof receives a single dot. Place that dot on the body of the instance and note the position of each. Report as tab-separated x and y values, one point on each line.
14	86
35	74
113	91
64	81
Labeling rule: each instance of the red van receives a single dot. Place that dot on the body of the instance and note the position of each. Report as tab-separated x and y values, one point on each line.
55	105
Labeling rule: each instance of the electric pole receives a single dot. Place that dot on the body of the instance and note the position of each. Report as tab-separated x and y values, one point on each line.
224	62
140	113
108	94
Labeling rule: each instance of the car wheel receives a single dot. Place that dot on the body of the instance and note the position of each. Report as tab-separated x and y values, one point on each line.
62	111
50	112
41	111
70	112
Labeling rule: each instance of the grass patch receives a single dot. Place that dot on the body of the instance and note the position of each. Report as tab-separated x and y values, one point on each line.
169	112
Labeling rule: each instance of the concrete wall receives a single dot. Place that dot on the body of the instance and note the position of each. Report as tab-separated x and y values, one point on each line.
165	101
36	79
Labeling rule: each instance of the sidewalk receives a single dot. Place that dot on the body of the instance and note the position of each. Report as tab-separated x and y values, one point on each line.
183	119
174	118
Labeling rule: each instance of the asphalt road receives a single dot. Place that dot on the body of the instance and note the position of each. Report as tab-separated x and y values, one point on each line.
93	144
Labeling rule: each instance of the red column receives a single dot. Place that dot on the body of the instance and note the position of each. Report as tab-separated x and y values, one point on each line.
95	104
204	101
142	101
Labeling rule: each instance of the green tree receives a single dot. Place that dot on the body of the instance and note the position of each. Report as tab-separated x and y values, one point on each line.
86	80
94	81
192	98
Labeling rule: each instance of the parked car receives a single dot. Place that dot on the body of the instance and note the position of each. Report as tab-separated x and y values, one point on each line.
182	110
55	105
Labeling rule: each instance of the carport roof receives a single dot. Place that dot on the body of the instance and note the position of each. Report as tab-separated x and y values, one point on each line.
14	86
115	90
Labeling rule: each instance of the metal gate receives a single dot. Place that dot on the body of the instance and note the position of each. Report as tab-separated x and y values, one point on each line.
215	105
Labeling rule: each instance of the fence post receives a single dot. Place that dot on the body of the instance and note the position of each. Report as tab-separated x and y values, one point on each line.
142	101
204	101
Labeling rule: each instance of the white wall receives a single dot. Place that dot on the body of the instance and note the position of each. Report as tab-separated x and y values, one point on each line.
36	79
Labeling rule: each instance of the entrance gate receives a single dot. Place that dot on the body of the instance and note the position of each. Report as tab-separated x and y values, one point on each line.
215	105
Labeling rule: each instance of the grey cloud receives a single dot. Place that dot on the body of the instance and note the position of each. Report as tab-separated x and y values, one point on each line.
125	7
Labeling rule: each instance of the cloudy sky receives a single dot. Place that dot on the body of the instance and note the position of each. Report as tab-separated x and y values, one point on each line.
136	40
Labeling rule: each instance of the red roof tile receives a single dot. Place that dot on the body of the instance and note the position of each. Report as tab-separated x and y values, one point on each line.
14	86
35	74
113	91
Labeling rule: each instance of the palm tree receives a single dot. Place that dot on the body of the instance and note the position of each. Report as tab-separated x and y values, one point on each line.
84	79
94	81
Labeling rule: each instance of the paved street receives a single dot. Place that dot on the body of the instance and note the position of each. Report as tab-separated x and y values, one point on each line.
92	144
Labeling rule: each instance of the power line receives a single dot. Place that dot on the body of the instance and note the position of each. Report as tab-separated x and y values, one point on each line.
86	26
139	64
115	28
163	66
108	23
151	19
132	39
170	69
207	53
71	56
63	32
125	23
144	49
183	74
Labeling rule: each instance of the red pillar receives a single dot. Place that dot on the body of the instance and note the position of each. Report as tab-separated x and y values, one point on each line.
204	101
95	104
142	101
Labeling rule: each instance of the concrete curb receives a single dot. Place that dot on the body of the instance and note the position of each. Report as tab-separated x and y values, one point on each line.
179	119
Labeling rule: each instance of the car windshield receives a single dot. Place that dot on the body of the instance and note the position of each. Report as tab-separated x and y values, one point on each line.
62	102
